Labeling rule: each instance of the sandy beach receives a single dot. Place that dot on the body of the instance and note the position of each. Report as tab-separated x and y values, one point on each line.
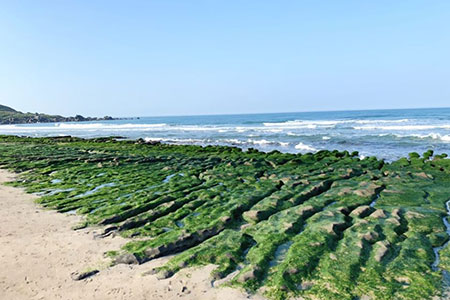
39	251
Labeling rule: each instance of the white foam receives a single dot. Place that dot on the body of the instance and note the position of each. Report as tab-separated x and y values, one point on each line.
379	121
304	147
232	141
328	123
188	141
176	140
325	138
259	142
292	133
241	129
297	124
403	127
445	138
119	127
266	142
153	139
434	136
81	126
9	127
106	126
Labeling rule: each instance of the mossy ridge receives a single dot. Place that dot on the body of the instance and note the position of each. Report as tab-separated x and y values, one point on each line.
309	247
337	215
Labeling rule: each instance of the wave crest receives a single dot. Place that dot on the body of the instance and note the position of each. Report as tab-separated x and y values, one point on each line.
303	147
403	127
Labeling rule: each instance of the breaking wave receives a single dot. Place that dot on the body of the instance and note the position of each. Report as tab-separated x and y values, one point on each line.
328	123
405	127
303	147
384	134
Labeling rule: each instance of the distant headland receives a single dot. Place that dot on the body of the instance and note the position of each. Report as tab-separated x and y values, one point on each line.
9	115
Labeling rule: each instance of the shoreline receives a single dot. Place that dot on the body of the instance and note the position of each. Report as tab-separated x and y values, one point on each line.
39	251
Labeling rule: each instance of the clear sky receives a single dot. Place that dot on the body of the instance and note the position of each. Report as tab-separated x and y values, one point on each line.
168	57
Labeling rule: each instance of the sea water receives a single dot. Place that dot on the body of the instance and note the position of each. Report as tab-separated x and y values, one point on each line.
388	134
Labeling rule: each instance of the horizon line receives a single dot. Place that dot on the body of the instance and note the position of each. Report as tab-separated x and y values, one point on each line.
282	112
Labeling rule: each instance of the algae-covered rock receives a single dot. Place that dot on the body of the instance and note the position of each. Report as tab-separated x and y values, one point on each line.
249	275
413	155
379	213
381	250
325	225
361	211
126	258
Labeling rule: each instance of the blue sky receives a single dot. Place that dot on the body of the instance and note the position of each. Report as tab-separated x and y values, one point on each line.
129	58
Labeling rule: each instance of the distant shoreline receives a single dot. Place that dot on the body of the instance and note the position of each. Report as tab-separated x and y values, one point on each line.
75	119
10	116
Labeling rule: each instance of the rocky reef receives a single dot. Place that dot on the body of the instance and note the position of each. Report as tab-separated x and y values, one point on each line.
11	116
327	225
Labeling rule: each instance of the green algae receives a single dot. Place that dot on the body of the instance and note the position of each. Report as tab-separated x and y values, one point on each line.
326	225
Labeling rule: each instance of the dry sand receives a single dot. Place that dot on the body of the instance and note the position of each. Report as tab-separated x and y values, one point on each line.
39	251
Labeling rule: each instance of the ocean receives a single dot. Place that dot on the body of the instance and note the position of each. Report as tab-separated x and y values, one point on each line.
387	134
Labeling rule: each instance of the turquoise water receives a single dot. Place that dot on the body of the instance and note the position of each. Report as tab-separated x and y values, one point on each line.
384	133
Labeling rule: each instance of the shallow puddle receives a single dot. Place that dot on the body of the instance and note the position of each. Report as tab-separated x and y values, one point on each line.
111	184
280	253
437	249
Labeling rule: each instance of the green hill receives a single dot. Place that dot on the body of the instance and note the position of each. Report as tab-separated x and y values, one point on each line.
9	115
6	108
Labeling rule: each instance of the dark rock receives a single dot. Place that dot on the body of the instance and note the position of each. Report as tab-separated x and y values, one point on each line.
252	215
164	274
183	242
183	264
382	250
379	213
361	211
370	236
335	227
80	276
126	258
424	175
252	274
